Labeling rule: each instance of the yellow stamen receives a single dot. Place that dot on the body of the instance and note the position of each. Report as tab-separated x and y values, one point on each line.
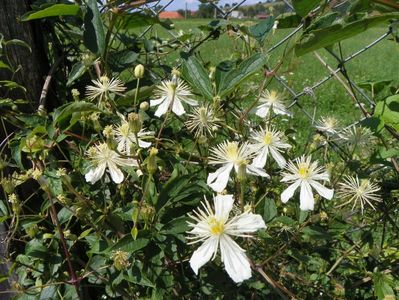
216	226
268	138
303	170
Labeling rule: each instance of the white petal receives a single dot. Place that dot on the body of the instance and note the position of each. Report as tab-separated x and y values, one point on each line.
95	174
190	101
247	222
235	261
204	253
116	174
256	171
218	180
306	197
162	108
157	101
278	158
223	206
322	190
262	110
178	108
289	191
260	160
143	144
126	162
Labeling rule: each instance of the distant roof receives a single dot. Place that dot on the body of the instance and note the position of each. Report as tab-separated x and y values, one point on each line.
170	15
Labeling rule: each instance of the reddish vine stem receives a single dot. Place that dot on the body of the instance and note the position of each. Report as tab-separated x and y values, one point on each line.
53	212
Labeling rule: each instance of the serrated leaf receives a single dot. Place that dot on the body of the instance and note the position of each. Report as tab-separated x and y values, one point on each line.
195	74
383	285
330	35
234	77
93	35
53	11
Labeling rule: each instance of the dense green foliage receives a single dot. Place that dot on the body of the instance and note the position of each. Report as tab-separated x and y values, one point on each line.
73	235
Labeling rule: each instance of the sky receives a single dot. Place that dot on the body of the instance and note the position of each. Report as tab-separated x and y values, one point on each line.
193	4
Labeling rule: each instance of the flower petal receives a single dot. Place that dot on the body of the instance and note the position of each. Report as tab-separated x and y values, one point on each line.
116	174
162	108
204	253
322	190
247	222
157	101
306	197
223	206
289	191
95	173
178	108
143	144
260	160
235	261
280	160
256	171
262	110
218	180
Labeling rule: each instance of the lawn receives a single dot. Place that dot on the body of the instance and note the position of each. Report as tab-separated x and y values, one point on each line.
301	72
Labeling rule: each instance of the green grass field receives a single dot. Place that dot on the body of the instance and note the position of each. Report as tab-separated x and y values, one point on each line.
377	63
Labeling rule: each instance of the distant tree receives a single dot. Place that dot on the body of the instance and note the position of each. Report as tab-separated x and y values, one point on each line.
182	12
205	11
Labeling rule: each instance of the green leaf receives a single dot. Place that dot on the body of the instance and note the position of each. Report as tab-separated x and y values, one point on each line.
288	20
53	11
62	113
135	20
78	69
269	210
128	244
383	284
195	74
3	65
387	110
94	36
261	30
330	35
234	77
49	292
176	226
303	7
316	232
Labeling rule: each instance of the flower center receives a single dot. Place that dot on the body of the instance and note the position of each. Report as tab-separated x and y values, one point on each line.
171	88
124	130
232	151
273	97
267	139
303	171
203	115
216	226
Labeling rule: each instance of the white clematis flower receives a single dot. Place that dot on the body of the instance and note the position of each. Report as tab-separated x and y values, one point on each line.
231	155
214	229
267	141
329	125
271	101
172	93
103	87
305	174
125	137
102	157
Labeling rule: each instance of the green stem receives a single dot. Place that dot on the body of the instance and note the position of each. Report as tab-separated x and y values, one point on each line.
136	94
